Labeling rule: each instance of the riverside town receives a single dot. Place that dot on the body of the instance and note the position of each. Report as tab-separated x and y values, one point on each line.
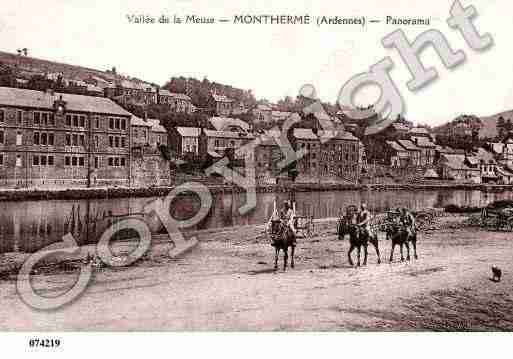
162	189
64	126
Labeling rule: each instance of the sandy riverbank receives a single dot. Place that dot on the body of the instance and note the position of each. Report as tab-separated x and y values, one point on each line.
228	283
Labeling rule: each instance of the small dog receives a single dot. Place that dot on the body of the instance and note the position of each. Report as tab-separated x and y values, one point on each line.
497	274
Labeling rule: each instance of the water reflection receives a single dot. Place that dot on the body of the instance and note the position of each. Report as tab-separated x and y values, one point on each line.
30	225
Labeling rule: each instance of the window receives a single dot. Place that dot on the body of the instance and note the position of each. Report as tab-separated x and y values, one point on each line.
122	162
82	121
50	160
97	122
52	119
82	140
44	139
96	141
43	160
111	141
75	120
74	140
123	142
74	161
123	124
68	120
36	138
37	118
81	161
51	139
2	137
18	160
44	118
116	162
19	138
68	139
1	159
116	141
20	117
111	161
2	117
35	160
97	162
117	124
67	161
111	123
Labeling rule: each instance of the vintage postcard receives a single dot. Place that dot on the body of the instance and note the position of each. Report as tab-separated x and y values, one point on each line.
299	166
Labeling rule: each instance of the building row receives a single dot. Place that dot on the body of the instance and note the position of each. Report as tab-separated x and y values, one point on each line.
64	140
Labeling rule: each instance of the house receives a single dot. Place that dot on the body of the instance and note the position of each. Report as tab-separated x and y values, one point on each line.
396	155
427	150
62	140
419	132
185	140
504	175
457	168
132	91
158	133
339	156
263	113
222	105
413	151
268	155
150	158
140	132
487	164
216	143
178	102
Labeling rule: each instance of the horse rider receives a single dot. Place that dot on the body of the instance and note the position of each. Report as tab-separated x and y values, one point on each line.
363	219
287	216
408	221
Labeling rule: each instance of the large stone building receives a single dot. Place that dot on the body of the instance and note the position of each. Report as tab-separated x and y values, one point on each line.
62	140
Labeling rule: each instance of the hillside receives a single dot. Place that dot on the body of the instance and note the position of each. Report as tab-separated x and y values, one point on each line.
490	124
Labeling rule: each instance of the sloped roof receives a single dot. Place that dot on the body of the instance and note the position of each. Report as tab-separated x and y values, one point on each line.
189	131
181	96
156	126
38	99
136	121
424	142
408	145
484	155
337	135
227	134
504	171
224	123
304	134
456	162
419	130
431	173
395	146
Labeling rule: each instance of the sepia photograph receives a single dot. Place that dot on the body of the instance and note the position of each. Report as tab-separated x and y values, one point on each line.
296	166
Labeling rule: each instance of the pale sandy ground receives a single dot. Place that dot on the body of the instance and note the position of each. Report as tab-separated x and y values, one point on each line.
227	283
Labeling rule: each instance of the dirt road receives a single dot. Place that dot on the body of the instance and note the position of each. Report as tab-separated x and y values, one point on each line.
227	283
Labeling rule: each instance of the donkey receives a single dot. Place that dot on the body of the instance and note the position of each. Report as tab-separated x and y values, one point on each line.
357	239
282	238
401	236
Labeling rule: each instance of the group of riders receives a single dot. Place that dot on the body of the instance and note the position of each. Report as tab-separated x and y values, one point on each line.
401	217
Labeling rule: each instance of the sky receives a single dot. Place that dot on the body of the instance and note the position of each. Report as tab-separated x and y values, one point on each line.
272	60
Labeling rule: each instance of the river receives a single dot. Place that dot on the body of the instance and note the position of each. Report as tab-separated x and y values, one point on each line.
27	226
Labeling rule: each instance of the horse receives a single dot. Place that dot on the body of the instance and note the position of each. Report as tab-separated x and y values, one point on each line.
282	238
400	235
357	239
